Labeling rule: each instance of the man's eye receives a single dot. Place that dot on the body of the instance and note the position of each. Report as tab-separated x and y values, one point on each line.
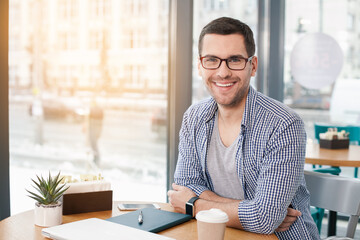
211	60
235	60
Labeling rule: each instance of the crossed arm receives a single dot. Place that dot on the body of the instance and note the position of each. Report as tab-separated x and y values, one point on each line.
270	186
208	199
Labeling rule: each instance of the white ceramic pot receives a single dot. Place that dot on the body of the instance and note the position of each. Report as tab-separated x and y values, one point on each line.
48	215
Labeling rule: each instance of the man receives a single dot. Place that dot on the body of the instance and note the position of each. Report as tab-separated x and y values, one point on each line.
96	116
240	151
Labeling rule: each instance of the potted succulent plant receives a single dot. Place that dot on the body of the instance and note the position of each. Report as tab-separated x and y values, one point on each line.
48	208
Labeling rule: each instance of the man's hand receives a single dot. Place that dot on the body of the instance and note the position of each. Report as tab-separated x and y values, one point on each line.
290	218
179	196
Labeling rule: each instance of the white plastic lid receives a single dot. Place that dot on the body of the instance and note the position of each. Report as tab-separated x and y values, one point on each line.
213	215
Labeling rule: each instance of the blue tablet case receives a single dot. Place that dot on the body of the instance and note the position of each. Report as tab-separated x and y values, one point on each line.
154	220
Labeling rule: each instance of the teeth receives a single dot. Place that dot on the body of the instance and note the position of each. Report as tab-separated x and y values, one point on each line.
224	85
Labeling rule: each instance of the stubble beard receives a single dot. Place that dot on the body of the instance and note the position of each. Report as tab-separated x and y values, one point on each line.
236	100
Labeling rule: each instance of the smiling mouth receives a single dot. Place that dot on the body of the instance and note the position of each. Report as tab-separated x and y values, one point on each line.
224	84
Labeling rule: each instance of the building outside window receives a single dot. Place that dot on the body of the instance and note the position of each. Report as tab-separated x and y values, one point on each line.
72	54
68	9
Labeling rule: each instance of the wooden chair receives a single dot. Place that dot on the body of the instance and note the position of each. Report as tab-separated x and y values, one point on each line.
335	193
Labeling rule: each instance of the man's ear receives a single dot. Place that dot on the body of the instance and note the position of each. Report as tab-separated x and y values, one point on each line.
199	68
254	66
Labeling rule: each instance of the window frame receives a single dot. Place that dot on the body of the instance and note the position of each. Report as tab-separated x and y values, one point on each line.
4	116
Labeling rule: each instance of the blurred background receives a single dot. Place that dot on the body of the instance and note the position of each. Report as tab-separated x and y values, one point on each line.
88	84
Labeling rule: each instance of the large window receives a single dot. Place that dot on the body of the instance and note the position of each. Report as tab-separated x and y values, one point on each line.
66	56
326	88
88	94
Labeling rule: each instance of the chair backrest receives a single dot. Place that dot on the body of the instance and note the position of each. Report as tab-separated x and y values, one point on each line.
354	130
335	193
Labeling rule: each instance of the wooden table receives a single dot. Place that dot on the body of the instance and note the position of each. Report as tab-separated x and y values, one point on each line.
336	158
333	157
21	226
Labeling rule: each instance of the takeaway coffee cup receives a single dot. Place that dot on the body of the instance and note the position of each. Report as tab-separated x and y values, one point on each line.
211	224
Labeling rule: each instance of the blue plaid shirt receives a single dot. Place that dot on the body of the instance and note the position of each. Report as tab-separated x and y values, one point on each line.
270	162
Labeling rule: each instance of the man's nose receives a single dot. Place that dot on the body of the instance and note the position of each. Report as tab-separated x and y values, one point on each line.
223	71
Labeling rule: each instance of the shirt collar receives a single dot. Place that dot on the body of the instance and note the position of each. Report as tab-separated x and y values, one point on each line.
249	111
211	110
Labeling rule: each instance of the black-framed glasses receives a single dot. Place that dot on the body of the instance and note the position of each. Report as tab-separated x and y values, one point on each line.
233	63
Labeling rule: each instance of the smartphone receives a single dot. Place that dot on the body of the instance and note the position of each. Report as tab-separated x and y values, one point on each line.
135	206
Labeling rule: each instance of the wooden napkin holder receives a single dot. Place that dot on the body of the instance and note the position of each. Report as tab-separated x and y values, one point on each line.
334	144
87	202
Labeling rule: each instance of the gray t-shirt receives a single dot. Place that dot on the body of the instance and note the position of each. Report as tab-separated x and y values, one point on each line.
221	165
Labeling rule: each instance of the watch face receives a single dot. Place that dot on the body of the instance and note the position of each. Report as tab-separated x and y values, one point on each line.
189	209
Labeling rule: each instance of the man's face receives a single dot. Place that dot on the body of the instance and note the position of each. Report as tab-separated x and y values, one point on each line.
228	87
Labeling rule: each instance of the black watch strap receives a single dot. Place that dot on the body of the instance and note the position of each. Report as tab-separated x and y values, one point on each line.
190	207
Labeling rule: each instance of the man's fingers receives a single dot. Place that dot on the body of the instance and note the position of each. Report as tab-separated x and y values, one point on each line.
289	219
293	212
285	224
281	229
176	187
170	192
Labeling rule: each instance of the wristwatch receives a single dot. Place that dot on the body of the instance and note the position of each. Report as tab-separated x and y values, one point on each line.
190	206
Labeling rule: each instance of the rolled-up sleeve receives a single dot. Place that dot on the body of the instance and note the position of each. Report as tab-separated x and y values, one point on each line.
188	169
279	177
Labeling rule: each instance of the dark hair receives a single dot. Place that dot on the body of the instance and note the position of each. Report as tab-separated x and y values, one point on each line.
226	26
